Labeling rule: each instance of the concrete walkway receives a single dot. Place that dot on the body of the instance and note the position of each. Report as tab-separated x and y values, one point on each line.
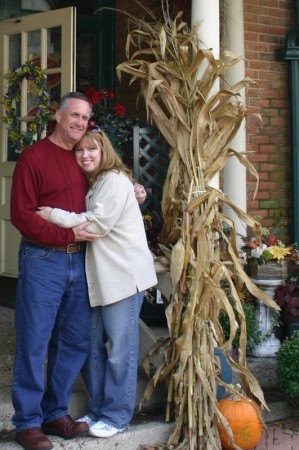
147	428
282	435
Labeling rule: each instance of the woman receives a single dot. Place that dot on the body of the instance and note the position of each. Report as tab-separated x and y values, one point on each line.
119	267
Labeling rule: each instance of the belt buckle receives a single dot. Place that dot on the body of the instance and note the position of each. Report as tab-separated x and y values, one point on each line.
72	248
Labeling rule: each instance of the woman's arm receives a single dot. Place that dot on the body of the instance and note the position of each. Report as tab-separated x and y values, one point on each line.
108	200
64	219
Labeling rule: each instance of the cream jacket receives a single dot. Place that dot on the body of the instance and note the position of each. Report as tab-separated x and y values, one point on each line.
120	263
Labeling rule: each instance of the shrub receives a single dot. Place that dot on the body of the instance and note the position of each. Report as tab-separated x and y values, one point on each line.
288	366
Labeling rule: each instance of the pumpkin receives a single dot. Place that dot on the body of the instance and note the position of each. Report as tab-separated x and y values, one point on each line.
244	418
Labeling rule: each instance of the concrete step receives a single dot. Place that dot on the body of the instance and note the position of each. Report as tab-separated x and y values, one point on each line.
264	370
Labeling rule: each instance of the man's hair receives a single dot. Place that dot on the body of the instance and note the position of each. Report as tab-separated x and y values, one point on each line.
73	95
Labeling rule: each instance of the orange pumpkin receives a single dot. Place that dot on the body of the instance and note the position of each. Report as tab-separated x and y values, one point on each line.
244	418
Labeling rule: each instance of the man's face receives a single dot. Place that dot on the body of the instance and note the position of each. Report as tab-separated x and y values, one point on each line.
72	120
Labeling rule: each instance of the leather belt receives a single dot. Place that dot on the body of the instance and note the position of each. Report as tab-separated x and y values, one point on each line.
70	248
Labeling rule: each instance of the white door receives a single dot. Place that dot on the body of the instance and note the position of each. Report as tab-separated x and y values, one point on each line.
47	39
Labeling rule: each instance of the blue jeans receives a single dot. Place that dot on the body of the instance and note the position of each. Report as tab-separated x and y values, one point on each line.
52	315
111	375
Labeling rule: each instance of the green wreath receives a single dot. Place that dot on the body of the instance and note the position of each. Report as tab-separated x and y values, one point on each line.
11	100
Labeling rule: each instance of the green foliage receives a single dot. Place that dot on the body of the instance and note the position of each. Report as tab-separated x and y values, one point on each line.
254	334
288	366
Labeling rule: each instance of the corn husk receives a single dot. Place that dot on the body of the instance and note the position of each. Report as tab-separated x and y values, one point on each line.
198	123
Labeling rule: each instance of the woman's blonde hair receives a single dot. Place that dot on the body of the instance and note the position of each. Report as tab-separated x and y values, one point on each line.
110	159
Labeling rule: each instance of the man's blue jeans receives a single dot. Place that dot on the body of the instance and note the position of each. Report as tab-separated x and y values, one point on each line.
52	314
111	374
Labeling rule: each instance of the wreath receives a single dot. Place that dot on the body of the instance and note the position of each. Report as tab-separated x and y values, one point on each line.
11	100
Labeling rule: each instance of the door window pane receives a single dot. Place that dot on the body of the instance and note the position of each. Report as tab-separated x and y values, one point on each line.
34	44
14	54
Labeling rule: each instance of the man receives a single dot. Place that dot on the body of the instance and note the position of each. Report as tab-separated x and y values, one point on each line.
52	306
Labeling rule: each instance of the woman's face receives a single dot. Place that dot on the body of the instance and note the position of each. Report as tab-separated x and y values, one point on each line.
89	156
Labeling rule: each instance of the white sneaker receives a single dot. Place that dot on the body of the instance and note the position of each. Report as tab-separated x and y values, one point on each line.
86	419
103	430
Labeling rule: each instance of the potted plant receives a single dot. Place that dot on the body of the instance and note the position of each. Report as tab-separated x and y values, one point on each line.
266	257
287	297
288	367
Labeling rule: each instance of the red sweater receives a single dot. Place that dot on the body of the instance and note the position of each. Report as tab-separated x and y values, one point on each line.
46	175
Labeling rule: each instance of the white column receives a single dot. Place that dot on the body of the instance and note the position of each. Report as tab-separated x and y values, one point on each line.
205	13
235	173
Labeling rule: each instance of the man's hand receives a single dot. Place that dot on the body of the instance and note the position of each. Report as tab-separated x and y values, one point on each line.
82	235
44	212
140	193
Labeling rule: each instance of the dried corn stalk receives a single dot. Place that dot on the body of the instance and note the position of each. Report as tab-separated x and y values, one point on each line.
198	126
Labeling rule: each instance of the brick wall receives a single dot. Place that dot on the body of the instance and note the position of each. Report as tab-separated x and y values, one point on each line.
267	23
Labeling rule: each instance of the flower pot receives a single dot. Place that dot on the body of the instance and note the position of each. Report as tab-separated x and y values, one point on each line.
270	343
271	270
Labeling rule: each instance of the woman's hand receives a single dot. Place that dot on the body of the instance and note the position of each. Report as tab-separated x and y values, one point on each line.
44	212
140	193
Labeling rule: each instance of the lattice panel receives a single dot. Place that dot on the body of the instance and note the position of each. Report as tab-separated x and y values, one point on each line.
150	165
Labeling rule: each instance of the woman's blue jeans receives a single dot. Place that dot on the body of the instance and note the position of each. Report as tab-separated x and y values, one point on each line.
110	374
53	324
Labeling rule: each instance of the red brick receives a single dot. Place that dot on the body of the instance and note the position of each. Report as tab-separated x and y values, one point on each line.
271	3
258	65
280	176
278	103
280	140
268	148
259	157
261	139
268	186
278	121
268	167
262	195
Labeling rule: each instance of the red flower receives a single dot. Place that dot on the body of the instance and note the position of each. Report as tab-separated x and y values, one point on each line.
271	240
119	109
93	95
109	116
106	94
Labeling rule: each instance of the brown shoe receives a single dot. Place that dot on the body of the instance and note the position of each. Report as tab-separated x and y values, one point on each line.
65	427
33	439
